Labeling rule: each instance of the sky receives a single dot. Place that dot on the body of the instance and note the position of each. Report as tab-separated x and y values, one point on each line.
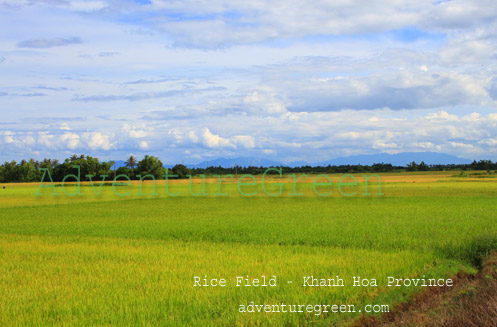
195	80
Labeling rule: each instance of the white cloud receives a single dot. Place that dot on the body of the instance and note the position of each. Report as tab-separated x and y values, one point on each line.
45	139
97	140
382	145
8	137
28	140
303	80
64	127
134	132
264	103
462	146
474	116
425	145
70	140
245	141
223	22
490	142
215	141
193	136
441	115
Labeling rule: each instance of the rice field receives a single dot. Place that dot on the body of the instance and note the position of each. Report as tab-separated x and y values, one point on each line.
112	260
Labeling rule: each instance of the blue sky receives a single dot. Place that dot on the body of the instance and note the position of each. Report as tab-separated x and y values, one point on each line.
194	80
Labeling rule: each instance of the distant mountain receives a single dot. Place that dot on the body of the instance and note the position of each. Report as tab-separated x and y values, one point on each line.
398	159
294	164
242	162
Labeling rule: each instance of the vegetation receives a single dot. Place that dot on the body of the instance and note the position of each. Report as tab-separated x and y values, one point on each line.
181	171
104	260
29	171
151	165
131	163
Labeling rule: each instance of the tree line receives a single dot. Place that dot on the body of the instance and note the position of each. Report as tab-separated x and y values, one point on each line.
33	170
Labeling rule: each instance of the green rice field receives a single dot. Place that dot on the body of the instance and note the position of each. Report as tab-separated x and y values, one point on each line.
111	260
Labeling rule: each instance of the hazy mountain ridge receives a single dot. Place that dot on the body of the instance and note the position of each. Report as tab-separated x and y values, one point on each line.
398	159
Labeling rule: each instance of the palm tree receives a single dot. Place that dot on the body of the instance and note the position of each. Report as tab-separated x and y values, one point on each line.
131	163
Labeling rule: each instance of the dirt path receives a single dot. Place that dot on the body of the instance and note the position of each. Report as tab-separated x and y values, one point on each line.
472	302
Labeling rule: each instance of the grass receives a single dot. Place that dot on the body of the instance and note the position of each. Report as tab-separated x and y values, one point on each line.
129	261
470	303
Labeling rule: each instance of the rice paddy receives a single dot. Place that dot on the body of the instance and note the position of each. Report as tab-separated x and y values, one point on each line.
130	261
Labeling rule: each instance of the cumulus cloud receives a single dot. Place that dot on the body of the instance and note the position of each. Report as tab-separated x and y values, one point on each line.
215	141
46	140
407	89
193	136
61	140
97	140
245	141
316	137
134	132
28	140
8	136
70	140
441	115
45	43
264	102
65	127
290	81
